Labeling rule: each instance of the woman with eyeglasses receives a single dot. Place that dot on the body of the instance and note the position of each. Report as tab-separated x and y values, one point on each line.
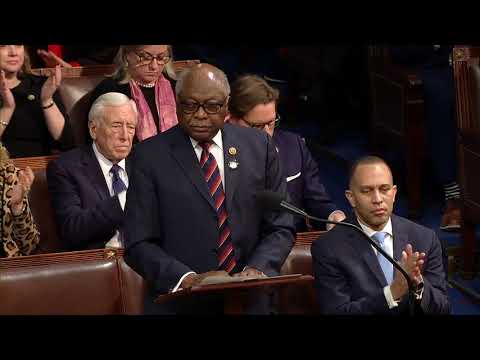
145	73
253	103
32	116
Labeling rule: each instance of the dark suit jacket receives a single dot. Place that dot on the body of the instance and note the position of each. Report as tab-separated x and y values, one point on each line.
349	279
171	219
303	178
86	215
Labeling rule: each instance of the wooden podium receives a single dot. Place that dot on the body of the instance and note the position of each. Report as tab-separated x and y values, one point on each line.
235	293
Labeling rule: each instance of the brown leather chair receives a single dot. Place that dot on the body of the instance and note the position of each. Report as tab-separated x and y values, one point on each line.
398	117
299	299
99	282
466	67
39	200
92	282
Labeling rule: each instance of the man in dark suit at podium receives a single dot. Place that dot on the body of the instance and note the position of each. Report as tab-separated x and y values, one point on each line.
351	277
191	207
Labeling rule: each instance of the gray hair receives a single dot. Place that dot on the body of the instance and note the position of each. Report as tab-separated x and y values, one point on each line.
221	80
121	74
97	110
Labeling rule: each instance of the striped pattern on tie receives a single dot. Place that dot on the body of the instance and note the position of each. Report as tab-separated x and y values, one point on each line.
225	253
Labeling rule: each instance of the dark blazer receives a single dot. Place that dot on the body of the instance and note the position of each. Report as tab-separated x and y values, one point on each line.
86	215
303	178
171	219
349	279
27	132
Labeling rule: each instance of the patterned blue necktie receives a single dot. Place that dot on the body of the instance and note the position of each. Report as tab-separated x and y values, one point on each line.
117	184
386	266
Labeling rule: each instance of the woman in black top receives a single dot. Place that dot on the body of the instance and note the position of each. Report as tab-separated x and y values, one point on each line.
32	115
145	73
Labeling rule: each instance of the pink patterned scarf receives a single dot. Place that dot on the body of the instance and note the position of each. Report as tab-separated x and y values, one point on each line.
166	107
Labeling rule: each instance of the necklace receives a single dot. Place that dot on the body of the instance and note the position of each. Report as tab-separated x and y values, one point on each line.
151	85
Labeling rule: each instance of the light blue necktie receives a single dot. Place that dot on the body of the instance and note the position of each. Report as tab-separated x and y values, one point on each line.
386	266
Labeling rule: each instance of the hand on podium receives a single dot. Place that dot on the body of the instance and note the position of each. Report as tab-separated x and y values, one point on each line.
249	271
195	279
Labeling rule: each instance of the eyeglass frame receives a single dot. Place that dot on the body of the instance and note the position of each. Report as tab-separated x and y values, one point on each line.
202	105
153	57
275	123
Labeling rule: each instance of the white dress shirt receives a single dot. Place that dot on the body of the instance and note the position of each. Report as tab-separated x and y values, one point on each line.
389	250
216	148
106	165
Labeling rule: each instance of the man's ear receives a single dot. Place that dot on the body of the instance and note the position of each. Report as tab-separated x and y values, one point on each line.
350	198
92	129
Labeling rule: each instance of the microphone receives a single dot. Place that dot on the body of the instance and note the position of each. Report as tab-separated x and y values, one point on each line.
270	200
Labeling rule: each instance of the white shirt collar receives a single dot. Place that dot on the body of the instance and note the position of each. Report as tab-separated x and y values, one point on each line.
217	140
370	232
106	164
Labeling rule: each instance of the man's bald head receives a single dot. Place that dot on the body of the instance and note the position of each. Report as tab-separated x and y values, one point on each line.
202	101
203	76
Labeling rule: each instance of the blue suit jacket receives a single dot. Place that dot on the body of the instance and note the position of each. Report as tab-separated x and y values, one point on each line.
172	223
349	279
86	215
303	179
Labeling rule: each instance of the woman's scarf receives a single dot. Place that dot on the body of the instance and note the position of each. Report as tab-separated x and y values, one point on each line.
166	108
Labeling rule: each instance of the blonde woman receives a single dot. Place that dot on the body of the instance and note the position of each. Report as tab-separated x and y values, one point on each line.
19	234
145	74
32	115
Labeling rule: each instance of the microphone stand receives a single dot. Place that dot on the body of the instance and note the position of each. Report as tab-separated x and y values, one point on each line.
395	263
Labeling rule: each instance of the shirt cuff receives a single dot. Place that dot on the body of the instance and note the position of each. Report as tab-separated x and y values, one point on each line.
177	287
389	297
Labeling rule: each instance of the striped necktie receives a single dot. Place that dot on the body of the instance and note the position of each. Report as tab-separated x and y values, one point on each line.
225	253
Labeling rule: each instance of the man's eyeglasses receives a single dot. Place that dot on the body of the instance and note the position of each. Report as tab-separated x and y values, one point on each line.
145	58
209	107
271	124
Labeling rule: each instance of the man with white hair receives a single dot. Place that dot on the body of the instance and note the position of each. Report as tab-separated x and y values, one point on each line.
88	185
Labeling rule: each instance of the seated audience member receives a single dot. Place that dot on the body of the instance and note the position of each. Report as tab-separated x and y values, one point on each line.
88	185
253	103
351	277
192	209
145	73
19	233
32	115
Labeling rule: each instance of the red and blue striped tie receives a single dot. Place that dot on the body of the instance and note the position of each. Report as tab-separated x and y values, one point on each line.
225	253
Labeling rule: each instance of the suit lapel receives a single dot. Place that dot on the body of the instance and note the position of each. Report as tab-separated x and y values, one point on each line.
367	253
94	172
400	238
183	152
232	175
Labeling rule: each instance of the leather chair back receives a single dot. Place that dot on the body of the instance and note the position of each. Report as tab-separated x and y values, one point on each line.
92	282
40	205
299	299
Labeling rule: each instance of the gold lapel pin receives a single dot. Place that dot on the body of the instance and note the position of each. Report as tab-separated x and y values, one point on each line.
31	97
232	151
